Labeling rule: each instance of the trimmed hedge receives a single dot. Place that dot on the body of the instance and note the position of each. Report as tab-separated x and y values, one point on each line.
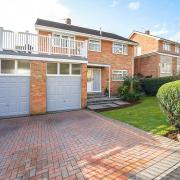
169	99
152	85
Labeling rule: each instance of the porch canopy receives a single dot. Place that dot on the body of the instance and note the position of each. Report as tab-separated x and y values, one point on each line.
98	65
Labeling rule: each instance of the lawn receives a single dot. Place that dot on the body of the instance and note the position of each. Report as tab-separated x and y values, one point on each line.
145	115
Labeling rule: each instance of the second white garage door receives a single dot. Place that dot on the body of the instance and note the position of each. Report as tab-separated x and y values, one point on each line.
63	93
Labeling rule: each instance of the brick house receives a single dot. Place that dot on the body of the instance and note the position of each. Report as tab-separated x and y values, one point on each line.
56	68
156	56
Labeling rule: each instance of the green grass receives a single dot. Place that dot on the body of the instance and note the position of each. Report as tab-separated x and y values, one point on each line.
145	115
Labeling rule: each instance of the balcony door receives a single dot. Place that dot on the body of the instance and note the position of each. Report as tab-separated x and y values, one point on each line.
94	80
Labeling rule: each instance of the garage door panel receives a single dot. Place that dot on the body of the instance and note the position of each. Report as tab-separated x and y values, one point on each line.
63	93
14	95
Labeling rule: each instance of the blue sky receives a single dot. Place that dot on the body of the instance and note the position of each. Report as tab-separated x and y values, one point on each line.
162	17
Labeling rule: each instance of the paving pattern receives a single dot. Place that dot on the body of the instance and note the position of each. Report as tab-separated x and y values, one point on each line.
82	145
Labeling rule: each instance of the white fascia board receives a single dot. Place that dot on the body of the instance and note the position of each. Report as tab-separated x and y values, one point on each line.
170	55
99	65
150	36
30	58
50	29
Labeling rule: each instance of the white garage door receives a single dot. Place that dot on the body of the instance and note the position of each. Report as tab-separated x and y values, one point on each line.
14	95
63	93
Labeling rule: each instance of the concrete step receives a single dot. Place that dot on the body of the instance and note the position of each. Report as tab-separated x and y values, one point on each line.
107	105
95	95
102	100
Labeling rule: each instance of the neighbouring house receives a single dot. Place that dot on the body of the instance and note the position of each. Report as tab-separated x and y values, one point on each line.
56	68
156	56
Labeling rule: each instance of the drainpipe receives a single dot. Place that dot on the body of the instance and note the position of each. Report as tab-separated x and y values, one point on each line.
109	81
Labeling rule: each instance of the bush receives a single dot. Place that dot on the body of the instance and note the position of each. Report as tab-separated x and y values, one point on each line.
130	90
151	85
169	99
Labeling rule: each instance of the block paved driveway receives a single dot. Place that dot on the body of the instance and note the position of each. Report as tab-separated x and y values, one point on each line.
82	145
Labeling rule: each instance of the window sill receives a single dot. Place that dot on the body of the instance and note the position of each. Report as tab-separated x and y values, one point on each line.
117	80
120	54
95	51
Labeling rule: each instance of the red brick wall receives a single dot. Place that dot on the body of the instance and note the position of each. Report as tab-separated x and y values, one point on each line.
146	43
174	66
38	87
147	66
117	62
84	85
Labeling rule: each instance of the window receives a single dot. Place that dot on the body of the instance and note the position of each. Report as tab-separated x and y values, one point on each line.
7	66
119	48
63	41
94	45
23	67
178	69
64	68
166	68
166	46
177	49
51	68
76	69
119	75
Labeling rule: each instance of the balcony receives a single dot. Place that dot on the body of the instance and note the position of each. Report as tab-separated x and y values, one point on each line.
29	43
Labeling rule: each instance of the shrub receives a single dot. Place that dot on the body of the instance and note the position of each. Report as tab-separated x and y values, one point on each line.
130	90
169	99
151	85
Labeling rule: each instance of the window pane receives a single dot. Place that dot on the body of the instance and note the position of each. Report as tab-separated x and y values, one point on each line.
7	66
51	68
76	69
23	67
94	45
64	68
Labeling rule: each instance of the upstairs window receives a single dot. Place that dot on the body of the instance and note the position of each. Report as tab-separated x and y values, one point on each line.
119	75
177	49
119	48
94	45
63	41
166	46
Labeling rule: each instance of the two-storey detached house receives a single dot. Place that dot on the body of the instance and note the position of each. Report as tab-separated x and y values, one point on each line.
56	68
156	56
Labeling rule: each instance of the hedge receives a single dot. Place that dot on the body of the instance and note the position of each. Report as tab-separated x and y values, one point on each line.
169	99
152	85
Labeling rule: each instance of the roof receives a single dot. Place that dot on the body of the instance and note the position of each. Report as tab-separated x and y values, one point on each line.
46	56
153	36
79	29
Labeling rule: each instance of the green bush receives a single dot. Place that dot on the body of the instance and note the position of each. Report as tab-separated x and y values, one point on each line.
130	90
169	99
151	85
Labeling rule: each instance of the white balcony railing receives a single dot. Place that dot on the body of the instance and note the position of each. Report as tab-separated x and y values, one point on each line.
39	44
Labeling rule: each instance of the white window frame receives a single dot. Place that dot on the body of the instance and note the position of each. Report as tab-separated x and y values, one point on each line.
166	69
58	69
166	46
15	68
124	48
70	37
97	42
124	73
177	49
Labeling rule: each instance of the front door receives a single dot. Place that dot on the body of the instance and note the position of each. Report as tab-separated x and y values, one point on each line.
94	80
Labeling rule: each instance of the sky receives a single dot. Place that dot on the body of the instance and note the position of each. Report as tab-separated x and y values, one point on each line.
161	17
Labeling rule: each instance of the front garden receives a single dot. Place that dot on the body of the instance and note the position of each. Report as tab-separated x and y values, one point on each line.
159	115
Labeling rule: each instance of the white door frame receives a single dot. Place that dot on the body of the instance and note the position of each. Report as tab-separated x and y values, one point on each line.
92	82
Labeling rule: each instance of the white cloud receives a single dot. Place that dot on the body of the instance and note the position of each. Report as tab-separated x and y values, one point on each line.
161	31
114	3
134	5
176	37
20	15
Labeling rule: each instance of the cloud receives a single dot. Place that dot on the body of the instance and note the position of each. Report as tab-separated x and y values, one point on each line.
176	37
114	3
161	31
20	15
134	5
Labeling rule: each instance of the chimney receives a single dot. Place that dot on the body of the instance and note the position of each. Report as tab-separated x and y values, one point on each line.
68	21
147	32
